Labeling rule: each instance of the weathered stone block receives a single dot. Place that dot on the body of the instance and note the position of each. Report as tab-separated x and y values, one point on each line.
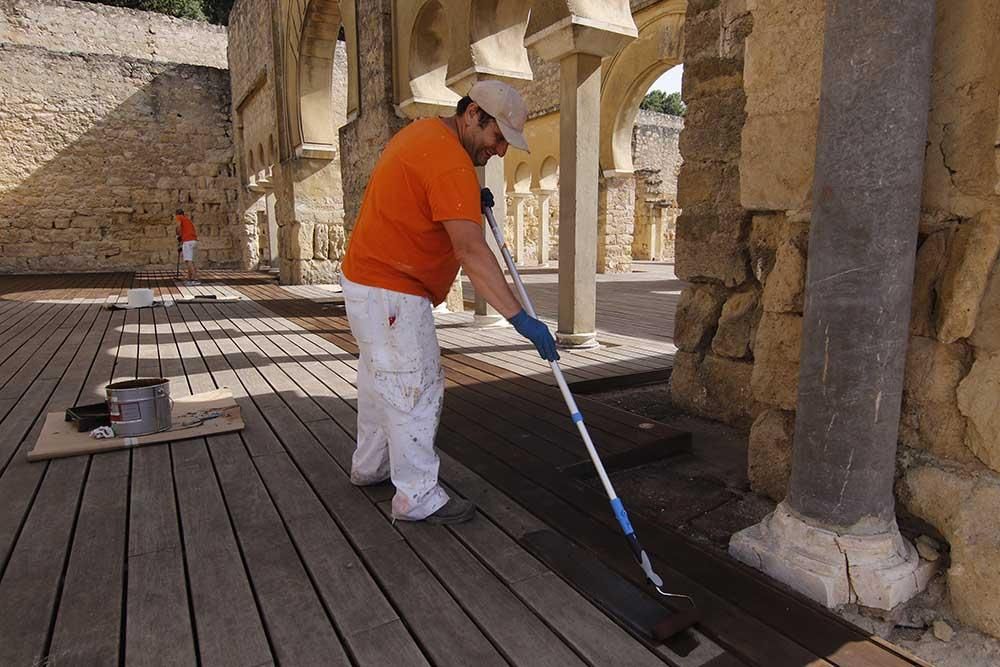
971	257
784	291
776	163
932	257
963	507
979	401
697	316
770	453
930	418
777	348
767	231
300	240
321	242
713	387
713	248
986	335
737	325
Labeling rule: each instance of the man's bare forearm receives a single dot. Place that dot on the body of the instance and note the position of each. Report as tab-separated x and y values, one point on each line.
480	265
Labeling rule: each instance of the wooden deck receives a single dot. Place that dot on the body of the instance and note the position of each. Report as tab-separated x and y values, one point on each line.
253	548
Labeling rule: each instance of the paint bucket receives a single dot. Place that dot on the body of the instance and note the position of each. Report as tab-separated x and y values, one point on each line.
139	407
140	298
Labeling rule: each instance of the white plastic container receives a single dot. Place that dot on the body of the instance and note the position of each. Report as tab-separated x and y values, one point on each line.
140	298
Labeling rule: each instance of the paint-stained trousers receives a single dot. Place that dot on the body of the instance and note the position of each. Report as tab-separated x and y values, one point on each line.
400	394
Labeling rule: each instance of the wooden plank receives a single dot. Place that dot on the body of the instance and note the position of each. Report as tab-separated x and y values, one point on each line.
724	624
30	583
158	627
355	601
88	623
228	623
447	634
521	636
298	626
506	557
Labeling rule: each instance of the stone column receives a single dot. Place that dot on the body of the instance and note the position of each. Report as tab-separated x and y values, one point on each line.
655	230
615	222
544	231
835	536
520	200
272	231
579	122
491	176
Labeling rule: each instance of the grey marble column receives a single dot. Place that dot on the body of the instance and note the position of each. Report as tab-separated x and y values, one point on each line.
835	535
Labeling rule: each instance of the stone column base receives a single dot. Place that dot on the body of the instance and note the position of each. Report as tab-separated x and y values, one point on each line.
577	341
878	571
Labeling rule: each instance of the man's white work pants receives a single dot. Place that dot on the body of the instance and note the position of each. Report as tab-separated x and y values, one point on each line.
400	394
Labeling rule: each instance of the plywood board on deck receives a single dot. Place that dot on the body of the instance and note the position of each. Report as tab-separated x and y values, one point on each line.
60	438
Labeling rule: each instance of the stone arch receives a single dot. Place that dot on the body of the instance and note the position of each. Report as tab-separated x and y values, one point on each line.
270	149
548	174
426	67
522	178
497	35
629	74
260	157
312	28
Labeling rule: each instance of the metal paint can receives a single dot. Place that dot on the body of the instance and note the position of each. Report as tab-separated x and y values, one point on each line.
139	407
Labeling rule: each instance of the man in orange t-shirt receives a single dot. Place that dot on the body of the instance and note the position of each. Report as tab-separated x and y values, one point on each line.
187	241
420	220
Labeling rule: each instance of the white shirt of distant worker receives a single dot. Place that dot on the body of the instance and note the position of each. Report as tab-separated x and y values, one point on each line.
420	220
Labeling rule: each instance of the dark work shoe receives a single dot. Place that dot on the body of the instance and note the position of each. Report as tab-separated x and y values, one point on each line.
456	510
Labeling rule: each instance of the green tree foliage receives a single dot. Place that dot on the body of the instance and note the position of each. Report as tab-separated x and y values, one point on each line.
216	11
657	100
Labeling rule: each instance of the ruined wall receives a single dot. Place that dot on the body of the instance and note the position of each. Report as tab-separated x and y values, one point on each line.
362	140
97	149
71	27
656	148
747	301
717	314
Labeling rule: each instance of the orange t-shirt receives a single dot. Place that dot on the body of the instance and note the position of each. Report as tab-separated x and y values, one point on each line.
187	228
423	178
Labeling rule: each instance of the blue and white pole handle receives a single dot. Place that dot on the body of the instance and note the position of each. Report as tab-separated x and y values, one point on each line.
574	411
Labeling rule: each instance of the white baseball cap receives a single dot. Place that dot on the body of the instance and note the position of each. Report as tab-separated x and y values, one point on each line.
505	104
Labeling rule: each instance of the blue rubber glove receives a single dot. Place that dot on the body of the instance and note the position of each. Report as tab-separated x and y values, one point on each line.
486	197
536	331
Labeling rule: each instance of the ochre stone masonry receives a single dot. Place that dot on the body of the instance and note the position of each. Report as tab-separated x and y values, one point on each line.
745	189
97	150
84	27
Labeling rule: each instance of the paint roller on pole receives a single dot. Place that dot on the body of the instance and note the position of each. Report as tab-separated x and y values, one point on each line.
680	620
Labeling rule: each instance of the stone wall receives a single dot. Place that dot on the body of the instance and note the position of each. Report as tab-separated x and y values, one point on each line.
84	27
739	324
96	153
717	315
362	140
656	148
